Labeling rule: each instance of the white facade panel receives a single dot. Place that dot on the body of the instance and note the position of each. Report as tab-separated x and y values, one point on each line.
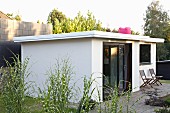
97	67
152	63
43	56
135	67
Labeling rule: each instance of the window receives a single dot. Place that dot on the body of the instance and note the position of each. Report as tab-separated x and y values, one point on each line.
145	53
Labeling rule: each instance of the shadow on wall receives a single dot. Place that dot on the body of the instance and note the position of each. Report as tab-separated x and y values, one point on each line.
13	28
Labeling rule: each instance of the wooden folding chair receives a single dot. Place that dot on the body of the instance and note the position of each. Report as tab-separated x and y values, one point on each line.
155	77
146	81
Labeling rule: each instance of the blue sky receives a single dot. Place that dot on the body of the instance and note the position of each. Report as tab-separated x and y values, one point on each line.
112	13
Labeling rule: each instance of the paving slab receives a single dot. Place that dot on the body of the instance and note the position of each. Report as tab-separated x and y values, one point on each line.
139	106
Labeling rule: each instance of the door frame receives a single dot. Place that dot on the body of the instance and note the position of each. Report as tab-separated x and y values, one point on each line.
127	59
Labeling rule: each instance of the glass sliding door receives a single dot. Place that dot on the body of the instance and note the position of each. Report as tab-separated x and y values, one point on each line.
121	67
116	66
113	66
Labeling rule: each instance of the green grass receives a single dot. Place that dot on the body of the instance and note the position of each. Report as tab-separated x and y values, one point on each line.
165	81
2	110
32	104
167	99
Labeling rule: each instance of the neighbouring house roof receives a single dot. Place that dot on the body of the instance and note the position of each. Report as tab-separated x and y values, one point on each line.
89	34
2	15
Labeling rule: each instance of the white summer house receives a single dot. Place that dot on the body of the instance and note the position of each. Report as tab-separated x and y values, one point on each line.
118	57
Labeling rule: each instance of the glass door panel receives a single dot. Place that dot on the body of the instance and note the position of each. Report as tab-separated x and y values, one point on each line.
114	66
121	66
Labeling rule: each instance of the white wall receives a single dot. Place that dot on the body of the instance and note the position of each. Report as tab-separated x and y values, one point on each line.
135	66
97	67
43	55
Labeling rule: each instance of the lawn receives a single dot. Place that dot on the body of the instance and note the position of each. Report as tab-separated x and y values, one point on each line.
165	81
167	99
33	105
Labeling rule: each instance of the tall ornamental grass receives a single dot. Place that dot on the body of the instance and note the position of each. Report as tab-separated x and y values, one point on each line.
86	103
55	98
58	91
15	88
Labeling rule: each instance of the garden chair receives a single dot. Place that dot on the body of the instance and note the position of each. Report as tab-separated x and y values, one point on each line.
146	81
155	77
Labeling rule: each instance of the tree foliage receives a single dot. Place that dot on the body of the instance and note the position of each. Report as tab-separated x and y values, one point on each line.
156	21
157	25
162	52
55	14
79	23
16	17
63	24
38	21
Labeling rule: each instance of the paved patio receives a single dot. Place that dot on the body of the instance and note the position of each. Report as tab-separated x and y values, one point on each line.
140	106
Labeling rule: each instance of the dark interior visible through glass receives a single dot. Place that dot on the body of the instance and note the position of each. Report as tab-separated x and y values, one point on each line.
145	53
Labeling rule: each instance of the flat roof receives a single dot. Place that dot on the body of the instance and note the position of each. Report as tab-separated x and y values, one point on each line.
88	34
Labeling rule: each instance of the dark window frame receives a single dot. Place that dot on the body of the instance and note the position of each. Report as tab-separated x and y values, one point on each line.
145	54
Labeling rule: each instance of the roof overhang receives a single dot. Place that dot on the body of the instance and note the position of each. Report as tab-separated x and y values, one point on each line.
89	34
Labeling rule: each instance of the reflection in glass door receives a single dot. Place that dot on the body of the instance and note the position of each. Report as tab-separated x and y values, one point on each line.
113	65
117	66
121	67
113	69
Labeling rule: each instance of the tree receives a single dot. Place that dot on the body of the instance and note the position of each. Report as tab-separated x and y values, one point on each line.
10	15
167	33
157	25
162	52
79	23
55	14
16	17
156	21
134	33
57	27
38	21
